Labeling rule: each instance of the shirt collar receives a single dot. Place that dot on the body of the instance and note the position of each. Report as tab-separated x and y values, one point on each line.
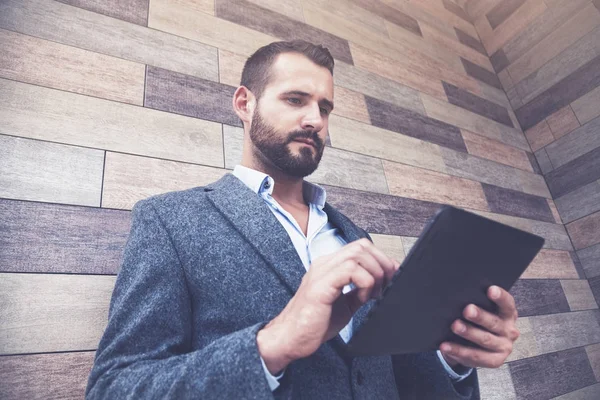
259	183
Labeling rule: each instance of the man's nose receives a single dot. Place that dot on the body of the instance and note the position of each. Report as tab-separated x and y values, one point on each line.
313	120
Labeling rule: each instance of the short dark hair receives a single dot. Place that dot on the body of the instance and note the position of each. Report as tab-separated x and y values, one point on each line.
257	70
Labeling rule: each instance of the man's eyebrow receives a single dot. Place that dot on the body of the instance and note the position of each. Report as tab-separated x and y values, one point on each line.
322	102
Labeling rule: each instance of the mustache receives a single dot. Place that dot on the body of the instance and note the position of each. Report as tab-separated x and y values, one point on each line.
306	135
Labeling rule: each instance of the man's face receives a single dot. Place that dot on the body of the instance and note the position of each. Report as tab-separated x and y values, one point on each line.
294	106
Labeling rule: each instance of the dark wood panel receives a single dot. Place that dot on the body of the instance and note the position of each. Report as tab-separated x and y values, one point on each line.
575	144
551	374
502	11
519	204
561	94
585	232
391	14
539	296
481	74
580	202
595	286
41	237
543	161
135	11
456	10
590	260
382	214
391	117
254	17
499	61
476	104
470	41
574	174
45	376
187	95
534	164
577	264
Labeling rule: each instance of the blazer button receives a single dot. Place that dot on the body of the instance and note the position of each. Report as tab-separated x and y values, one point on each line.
360	378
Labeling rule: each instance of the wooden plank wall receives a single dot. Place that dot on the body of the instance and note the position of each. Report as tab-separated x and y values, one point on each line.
106	103
547	57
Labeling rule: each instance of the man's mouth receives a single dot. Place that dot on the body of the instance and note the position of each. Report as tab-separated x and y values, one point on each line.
307	141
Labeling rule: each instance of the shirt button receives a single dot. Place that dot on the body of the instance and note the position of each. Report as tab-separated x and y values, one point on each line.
360	378
267	185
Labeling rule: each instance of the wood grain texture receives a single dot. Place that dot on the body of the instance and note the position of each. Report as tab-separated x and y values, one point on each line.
187	95
470	121
437	10
408	243
390	246
101	34
539	135
534	164
575	144
587	107
514	98
562	122
135	11
350	77
512	202
128	179
586	393
289	8
554	43
579	295
555	234
551	375
557	332
539	296
417	183
391	117
456	10
506	81
554	211
32	60
52	312
37	237
40	171
593	352
543	161
532	183
481	74
590	261
595	286
570	63
250	15
52	115
382	214
585	232
350	104
391	14
425	18
526	345
493	150
476	104
551	264
574	174
502	11
499	61
577	264
470	41
496	383
230	67
45	376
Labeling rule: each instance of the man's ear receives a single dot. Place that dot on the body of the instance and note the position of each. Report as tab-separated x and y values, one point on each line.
244	103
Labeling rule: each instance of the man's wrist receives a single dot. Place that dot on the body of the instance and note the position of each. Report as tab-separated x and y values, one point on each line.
270	347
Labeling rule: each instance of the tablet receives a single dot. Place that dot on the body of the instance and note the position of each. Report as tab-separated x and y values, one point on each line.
458	256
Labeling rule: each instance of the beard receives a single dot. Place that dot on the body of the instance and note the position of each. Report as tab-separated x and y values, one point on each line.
274	148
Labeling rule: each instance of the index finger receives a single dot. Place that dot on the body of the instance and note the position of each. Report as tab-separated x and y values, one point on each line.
506	302
388	264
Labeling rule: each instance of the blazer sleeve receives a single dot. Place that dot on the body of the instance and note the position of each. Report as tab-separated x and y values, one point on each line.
145	351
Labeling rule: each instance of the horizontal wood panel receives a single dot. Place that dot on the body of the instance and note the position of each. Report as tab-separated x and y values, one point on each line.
557	332
511	202
539	135
54	238
585	232
135	11
551	264
575	144
539	296
41	171
588	392
388	13
477	105
590	260
562	122
543	161
575	174
481	74
390	246
587	107
579	202
579	295
493	150
496	383
502	11
470	41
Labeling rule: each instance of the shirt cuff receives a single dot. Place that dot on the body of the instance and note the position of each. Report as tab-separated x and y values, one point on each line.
272	380
456	377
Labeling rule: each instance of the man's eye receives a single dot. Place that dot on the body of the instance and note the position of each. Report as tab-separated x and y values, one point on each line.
294	100
324	111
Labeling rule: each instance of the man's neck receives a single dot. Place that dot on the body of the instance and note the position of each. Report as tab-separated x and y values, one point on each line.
287	189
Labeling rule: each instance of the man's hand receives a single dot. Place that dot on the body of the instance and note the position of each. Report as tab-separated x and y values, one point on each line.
319	310
494	333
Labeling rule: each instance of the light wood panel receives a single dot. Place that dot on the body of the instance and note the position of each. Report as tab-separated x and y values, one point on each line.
554	211
128	179
289	8
579	295
539	135
558	332
95	32
493	150
502	11
587	107
135	11
496	383
391	14
390	245
57	116
52	312
575	144
593	353
562	122
41	171
585	232
28	59
350	104
525	346
580	202
412	9
231	66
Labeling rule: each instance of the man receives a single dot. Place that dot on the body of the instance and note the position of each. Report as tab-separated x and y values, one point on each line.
250	286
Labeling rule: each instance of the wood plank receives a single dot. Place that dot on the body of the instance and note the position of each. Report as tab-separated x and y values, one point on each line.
551	375
577	264
499	61
566	64
456	10
496	383
53	312
437	10
32	60
562	122
187	95
497	15
551	264
231	66
61	239
532	183
539	135
593	352
413	10
505	80
351	11
53	115
595	286
289	8
408	243
351	104
45	376
588	392
391	14
574	174
526	346
470	41
587	107
512	202
128	179
417	183
481	74
101	34
390	245
391	117
470	121
579	295
590	260
476	104
41	171
135	11
260	19
539	296
585	232
493	150
557	332
575	144
555	213
534	163
543	161
478	8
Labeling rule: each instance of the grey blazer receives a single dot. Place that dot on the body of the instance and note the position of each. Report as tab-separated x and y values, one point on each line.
203	270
